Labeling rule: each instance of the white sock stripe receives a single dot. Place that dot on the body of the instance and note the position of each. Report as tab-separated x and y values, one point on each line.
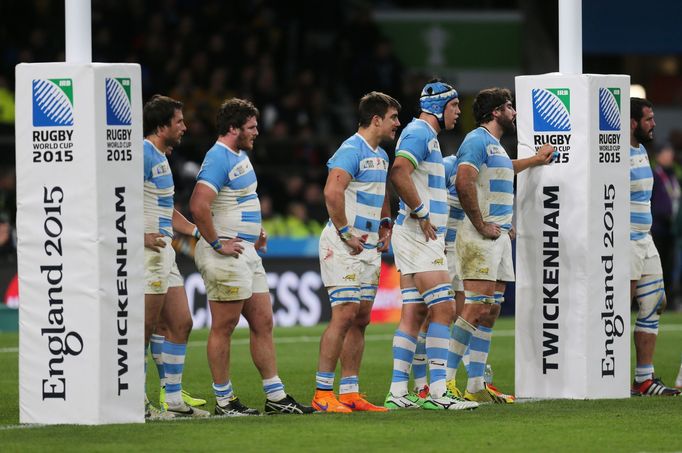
486	336
173	359
401	365
404	343
435	342
477	356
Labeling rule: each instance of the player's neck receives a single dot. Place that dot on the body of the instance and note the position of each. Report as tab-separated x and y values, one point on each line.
229	141
494	129
157	142
633	141
432	120
370	135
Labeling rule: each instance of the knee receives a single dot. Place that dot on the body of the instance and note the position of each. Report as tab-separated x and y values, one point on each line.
261	325
362	319
345	318
225	328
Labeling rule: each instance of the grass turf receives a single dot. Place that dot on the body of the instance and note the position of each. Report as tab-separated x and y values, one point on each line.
634	424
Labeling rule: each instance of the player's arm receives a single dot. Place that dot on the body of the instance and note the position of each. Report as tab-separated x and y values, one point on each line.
184	226
468	198
335	199
200	207
542	157
386	224
402	182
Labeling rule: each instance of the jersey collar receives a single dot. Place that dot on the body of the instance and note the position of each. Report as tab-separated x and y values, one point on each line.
236	153
374	150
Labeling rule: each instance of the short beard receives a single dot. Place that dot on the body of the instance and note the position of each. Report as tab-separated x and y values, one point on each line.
508	127
641	136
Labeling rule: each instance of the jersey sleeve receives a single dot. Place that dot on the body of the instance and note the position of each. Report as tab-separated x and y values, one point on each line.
345	159
412	147
148	164
472	152
214	171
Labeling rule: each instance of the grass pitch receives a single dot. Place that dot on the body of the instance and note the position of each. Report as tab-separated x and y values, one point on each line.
635	424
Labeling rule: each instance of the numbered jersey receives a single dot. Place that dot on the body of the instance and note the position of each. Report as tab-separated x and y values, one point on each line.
495	181
641	185
364	196
236	208
418	143
158	192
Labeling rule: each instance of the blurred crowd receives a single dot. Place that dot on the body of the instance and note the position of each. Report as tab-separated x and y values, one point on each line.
304	66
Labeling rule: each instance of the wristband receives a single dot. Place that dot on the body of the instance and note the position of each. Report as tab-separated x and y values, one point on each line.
344	233
217	245
421	212
386	222
196	234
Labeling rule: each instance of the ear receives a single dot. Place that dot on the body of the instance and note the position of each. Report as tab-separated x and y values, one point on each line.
633	124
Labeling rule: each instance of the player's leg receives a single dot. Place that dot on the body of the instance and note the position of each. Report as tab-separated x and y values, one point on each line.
224	319
345	303
650	296
178	322
351	355
412	316
437	293
419	363
479	347
647	287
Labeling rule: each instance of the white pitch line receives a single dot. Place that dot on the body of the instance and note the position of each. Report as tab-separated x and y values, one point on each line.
370	337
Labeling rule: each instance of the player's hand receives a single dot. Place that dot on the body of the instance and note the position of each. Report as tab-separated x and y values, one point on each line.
262	242
544	155
428	229
490	230
154	241
231	247
356	244
512	233
384	239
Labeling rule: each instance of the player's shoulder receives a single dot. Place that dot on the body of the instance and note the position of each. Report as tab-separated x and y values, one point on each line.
417	128
478	136
450	164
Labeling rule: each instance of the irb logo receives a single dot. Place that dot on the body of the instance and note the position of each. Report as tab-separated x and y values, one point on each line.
551	109
118	102
609	109
52	102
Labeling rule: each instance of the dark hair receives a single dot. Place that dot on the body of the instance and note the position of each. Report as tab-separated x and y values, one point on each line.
158	112
488	100
235	113
637	106
375	103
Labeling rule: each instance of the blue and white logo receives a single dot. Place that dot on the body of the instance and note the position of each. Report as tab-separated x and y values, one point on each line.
118	102
551	110
609	109
52	102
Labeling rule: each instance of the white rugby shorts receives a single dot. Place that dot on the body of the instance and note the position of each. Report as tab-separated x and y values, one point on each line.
160	270
644	258
228	278
339	268
413	254
480	258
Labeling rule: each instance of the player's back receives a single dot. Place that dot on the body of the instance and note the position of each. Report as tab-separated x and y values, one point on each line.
419	144
495	181
364	196
641	186
158	191
236	208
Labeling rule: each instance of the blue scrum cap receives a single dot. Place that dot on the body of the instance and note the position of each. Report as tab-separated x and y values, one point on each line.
435	97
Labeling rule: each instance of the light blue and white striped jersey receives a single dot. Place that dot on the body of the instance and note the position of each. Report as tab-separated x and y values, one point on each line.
236	208
495	181
158	191
456	212
364	196
641	185
418	143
